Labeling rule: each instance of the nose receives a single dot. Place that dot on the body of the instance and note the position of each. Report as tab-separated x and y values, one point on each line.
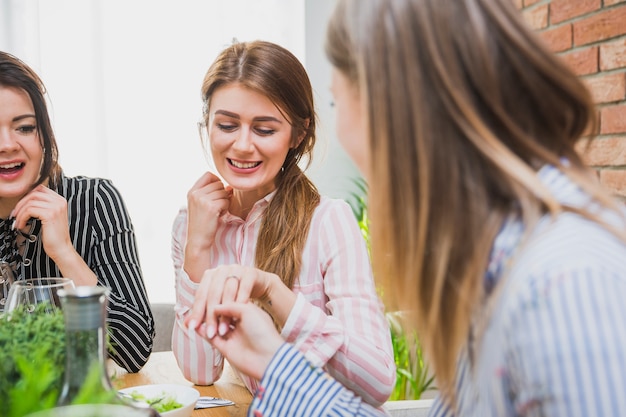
243	141
7	140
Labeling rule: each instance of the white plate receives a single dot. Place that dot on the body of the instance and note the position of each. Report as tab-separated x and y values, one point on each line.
185	395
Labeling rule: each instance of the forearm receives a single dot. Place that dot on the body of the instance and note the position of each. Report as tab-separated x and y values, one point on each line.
197	359
313	393
196	260
73	266
131	335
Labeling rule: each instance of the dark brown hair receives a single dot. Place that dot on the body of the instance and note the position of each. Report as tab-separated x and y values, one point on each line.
15	73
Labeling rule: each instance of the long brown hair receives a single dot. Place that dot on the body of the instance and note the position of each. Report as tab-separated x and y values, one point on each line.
463	103
276	73
15	73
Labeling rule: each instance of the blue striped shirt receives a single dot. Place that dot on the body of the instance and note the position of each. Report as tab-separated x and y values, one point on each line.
292	386
555	343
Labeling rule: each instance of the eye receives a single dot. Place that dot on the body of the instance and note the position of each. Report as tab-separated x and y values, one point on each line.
27	129
226	127
265	132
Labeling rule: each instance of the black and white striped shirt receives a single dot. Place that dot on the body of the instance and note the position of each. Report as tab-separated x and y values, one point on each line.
102	233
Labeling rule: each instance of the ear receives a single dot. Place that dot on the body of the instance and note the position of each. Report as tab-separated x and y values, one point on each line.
303	134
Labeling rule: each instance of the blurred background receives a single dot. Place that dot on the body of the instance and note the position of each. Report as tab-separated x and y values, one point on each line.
123	79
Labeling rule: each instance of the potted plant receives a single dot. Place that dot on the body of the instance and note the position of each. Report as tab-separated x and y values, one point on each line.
413	376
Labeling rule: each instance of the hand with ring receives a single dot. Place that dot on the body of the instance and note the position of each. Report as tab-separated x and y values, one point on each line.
224	284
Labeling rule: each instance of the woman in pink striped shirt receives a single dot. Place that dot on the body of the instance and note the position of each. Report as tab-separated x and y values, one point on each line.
261	232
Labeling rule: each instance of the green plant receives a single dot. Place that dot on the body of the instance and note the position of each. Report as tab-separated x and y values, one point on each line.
32	363
413	377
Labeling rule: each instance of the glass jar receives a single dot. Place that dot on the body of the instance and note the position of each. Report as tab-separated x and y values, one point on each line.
84	310
86	379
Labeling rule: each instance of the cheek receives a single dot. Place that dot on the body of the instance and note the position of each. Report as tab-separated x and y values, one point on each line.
352	136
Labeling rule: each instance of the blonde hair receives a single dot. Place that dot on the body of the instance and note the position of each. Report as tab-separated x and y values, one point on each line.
464	103
276	73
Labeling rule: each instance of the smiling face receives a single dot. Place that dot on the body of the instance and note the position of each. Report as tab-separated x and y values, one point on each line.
20	149
249	139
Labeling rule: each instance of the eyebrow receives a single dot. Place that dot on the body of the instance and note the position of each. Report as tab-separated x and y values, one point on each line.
258	119
23	116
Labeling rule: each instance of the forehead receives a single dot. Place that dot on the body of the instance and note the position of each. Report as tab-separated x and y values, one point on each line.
15	100
244	102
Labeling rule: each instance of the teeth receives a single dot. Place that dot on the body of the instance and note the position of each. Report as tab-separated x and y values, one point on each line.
9	166
244	165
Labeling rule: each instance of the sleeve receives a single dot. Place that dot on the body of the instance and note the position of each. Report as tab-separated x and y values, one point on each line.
115	262
199	362
350	338
292	386
566	344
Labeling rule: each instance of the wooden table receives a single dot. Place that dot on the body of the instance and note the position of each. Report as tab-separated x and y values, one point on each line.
163	369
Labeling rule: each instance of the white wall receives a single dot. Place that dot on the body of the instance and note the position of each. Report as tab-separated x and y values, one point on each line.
124	78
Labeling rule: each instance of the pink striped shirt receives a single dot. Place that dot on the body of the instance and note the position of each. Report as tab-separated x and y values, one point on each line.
338	320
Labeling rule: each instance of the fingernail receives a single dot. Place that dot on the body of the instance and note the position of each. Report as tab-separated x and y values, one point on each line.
210	332
192	324
223	329
13	225
202	330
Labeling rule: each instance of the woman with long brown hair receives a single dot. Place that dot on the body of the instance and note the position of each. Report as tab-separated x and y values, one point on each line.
485	222
261	232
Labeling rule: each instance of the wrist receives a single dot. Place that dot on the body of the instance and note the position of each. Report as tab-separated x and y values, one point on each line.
195	262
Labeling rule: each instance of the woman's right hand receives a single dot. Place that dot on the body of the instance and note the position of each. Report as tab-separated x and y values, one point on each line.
207	201
252	340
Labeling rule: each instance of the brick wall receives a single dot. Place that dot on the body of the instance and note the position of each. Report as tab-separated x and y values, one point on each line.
591	36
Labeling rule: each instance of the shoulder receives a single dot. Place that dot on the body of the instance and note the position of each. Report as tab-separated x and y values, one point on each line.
333	207
83	184
568	258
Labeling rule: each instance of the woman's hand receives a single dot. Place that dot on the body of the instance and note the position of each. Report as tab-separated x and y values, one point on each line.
227	284
252	340
207	201
51	209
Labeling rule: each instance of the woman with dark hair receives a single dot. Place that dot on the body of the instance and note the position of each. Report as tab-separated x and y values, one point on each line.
53	225
263	233
485	222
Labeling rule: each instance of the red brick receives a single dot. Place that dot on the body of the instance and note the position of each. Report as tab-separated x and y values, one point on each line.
537	18
604	25
615	180
530	2
613	54
612	2
604	152
583	61
561	10
613	119
607	88
558	39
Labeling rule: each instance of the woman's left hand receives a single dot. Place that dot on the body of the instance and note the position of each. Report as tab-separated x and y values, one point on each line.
51	209
225	284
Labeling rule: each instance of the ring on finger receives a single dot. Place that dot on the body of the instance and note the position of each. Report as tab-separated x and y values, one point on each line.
233	276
